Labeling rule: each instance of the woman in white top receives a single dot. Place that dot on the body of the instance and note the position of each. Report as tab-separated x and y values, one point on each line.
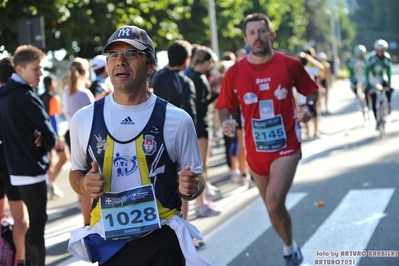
74	97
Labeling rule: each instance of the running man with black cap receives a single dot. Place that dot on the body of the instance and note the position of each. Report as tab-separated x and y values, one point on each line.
137	156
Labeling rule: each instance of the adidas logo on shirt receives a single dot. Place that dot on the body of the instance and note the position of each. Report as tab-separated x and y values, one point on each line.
127	121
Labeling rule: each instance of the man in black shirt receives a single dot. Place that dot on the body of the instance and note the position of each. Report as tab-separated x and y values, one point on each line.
23	119
171	84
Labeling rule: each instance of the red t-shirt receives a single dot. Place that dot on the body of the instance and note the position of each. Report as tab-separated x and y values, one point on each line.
265	96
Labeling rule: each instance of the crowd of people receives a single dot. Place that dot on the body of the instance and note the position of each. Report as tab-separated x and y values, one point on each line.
32	148
138	130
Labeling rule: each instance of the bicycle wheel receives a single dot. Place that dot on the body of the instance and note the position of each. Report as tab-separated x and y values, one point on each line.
364	107
383	112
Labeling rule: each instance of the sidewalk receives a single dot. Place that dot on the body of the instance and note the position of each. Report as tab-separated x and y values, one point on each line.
341	101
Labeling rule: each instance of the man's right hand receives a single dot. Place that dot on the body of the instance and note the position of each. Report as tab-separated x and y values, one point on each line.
93	182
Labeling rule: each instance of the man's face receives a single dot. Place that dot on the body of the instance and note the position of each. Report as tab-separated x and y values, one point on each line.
258	38
380	52
31	72
128	74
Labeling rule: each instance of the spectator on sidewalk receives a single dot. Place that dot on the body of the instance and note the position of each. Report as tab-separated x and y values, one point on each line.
8	192
231	143
217	127
99	86
6	70
52	104
314	68
240	53
172	85
23	117
75	97
261	84
239	173
325	82
242	151
194	47
203	62
139	159
86	67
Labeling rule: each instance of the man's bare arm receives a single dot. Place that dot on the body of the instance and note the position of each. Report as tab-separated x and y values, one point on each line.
76	179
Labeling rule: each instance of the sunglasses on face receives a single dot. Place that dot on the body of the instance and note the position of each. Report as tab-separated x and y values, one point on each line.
128	53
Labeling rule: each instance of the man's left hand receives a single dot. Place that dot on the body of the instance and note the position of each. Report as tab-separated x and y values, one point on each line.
188	181
305	114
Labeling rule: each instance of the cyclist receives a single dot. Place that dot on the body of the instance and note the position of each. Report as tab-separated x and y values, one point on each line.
357	71
378	71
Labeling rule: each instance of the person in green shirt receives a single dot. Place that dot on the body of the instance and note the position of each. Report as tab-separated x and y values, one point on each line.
357	73
378	71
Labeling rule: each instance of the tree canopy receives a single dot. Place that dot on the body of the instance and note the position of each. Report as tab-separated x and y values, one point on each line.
82	27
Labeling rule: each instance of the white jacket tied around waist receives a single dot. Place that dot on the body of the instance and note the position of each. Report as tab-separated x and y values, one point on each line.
184	230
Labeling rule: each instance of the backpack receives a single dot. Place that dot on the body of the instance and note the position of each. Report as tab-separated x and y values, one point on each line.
7	246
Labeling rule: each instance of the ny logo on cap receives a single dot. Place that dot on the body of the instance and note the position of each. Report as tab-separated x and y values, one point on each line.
124	32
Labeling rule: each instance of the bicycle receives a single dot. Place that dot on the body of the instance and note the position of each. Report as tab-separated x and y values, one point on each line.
382	108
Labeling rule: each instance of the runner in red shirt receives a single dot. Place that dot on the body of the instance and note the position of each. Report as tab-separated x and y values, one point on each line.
261	85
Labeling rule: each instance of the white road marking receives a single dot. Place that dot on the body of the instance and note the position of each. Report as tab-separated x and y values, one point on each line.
62	231
230	239
349	227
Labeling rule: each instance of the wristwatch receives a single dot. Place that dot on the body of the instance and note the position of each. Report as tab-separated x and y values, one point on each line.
191	197
311	106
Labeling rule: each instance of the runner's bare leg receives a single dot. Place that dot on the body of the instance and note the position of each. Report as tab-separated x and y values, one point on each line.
273	190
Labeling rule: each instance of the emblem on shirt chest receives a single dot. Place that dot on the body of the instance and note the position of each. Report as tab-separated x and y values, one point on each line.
101	144
280	93
125	165
149	146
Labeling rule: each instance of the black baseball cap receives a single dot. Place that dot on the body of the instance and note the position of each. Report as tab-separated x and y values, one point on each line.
134	36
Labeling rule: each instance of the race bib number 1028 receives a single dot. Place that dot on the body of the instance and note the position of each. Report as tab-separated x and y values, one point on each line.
130	213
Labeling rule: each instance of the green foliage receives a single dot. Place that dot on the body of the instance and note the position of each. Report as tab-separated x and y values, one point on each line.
290	25
82	27
376	20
